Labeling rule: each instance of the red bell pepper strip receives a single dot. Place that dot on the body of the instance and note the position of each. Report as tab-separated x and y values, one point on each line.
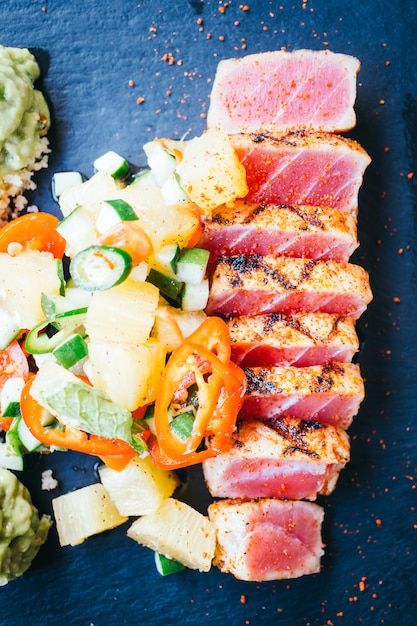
116	450
34	231
13	363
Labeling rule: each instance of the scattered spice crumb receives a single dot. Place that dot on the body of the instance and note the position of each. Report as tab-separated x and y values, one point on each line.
362	584
410	175
44	9
243	599
244	7
131	83
140	100
378	522
396	299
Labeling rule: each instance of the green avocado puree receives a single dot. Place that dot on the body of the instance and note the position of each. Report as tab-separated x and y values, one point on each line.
22	532
24	113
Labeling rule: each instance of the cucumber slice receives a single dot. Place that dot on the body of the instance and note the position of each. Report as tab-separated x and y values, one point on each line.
195	297
78	229
113	212
10	396
10	461
61	181
49	334
144	178
100	267
9	329
71	350
169	286
54	305
28	440
172	191
192	265
182	424
113	164
166	566
167	258
162	163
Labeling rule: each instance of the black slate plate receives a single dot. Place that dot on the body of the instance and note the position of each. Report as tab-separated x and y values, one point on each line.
89	52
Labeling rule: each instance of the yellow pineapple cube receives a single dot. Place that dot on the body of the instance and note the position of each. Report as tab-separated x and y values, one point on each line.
85	512
179	532
210	171
124	313
162	223
140	487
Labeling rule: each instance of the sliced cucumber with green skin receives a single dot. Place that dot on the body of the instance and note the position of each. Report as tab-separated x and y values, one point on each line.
10	396
54	305
113	164
71	350
78	229
149	418
162	163
113	212
10	461
100	267
144	178
192	265
169	286
172	191
166	566
8	329
28	440
167	257
49	334
195	297
182	424
61	181
61	276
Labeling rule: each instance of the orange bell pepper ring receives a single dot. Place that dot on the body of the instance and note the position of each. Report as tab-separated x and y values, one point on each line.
203	362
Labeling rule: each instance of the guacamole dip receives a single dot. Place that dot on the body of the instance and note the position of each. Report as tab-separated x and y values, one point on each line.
24	114
24	122
22	532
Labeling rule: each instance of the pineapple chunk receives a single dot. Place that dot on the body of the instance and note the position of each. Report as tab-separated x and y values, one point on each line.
124	313
128	374
140	488
85	512
179	532
210	171
89	194
175	325
162	223
23	279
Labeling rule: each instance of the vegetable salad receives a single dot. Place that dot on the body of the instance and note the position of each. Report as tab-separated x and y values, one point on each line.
105	346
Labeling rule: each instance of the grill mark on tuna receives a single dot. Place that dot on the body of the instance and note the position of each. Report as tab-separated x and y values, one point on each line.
324	381
257	382
295	435
242	265
290	321
308	218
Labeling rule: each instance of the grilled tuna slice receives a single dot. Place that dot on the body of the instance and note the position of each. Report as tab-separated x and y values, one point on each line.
296	231
288	459
330	394
267	539
302	168
251	285
278	91
292	339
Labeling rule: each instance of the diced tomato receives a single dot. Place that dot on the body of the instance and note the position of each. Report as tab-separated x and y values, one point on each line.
34	231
